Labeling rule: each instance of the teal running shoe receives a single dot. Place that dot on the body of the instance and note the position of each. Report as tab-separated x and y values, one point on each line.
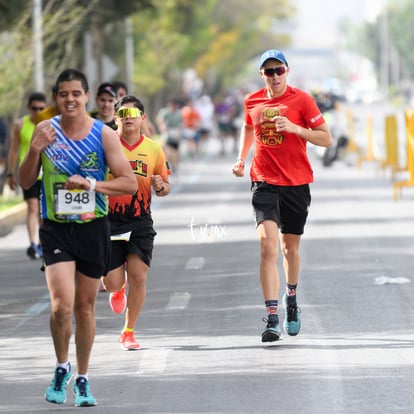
291	324
56	391
272	332
82	394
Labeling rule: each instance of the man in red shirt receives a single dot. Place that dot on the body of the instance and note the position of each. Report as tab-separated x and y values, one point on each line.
191	120
280	119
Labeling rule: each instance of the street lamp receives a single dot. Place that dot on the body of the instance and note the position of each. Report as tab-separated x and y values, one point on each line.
38	45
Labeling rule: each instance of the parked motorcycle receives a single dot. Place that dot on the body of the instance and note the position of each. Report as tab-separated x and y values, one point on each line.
336	120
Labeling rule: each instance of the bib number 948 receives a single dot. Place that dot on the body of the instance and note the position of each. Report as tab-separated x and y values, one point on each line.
75	201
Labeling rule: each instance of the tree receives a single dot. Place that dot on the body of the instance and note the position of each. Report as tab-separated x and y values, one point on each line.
217	40
368	40
10	12
64	25
215	37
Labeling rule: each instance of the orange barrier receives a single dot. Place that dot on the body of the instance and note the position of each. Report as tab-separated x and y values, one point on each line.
398	185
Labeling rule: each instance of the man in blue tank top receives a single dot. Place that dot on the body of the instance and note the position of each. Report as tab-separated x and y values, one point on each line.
75	152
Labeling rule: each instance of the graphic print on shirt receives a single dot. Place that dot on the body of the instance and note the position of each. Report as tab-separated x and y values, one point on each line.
90	162
139	167
268	133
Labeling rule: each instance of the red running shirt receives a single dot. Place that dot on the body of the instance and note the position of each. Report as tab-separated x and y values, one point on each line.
281	158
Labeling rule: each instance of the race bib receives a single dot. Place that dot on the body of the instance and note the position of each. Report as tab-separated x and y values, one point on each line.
122	236
74	202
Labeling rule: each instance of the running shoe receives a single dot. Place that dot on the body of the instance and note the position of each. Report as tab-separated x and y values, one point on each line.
291	324
101	287
118	301
128	342
82	393
56	391
272	331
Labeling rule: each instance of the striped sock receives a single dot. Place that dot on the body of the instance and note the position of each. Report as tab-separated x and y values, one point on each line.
271	307
291	293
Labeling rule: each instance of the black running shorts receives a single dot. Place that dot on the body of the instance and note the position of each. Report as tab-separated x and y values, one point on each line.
33	191
88	244
288	206
141	241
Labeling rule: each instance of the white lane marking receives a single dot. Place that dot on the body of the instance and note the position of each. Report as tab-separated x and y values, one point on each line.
153	361
34	310
195	263
40	306
178	301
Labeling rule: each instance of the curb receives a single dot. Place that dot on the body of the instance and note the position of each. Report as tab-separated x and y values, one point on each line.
11	217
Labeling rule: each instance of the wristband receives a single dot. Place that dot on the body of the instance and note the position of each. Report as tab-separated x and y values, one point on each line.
10	174
92	182
160	190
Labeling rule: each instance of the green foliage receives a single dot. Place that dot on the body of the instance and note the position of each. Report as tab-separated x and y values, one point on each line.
215	37
216	40
11	12
400	23
8	202
15	69
395	22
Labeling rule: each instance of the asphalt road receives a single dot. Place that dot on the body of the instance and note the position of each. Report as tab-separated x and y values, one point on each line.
200	329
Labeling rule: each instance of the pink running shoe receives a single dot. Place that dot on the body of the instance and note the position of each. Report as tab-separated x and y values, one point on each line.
128	342
117	300
101	287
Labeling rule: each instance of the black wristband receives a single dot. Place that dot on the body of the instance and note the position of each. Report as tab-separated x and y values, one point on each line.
10	174
160	190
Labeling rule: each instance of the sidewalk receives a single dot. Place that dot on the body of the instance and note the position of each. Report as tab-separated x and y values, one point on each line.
12	217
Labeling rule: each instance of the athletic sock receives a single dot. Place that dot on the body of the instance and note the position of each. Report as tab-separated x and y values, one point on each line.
64	365
291	293
271	307
128	329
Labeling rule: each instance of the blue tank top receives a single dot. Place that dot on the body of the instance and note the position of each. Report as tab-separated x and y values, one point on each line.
64	158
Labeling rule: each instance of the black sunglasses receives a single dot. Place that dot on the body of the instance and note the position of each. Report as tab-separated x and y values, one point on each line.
37	108
280	70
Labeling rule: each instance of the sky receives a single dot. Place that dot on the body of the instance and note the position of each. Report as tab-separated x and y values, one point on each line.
317	53
316	23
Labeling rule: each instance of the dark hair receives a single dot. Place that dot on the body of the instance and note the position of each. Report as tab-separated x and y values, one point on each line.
70	75
118	85
129	99
36	96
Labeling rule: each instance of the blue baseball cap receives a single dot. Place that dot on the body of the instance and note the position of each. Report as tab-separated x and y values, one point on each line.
272	54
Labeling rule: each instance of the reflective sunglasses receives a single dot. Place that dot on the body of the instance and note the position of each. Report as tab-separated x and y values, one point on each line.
279	71
37	108
132	112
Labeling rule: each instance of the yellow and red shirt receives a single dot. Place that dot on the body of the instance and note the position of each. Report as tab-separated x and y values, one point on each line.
146	158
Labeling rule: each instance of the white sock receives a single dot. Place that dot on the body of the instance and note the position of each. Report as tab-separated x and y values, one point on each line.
82	376
64	365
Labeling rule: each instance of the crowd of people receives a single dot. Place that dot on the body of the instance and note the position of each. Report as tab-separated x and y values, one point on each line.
89	180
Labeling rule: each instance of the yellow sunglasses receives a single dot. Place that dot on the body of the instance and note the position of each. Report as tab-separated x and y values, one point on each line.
132	112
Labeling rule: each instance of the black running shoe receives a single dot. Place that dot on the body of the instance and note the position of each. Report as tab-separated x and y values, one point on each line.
272	332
